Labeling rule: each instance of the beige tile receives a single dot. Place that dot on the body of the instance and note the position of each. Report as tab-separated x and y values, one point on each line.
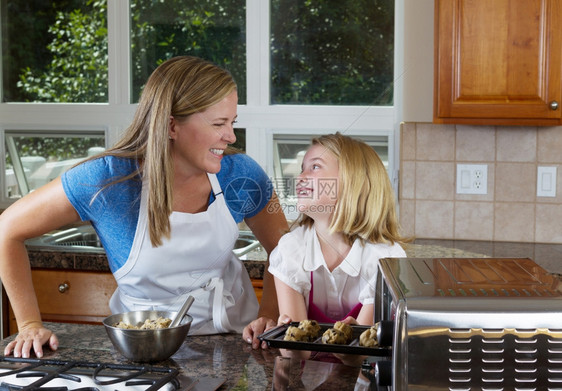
407	141
489	196
549	145
475	143
407	217
549	224
516	144
435	142
435	181
407	180
474	220
434	220
516	182
514	222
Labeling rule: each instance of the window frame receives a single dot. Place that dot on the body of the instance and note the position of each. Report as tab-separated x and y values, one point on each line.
260	119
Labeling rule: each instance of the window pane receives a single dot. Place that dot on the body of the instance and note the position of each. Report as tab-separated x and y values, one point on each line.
211	29
240	143
332	52
33	159
54	51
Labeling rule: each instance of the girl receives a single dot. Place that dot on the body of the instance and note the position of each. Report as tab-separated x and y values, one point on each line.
325	268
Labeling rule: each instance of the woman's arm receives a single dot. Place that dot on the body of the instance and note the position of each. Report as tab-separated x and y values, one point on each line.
39	212
268	226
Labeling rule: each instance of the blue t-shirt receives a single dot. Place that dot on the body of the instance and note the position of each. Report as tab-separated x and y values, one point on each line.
114	211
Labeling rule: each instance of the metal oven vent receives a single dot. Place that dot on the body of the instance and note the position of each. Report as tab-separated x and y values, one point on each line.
498	292
501	359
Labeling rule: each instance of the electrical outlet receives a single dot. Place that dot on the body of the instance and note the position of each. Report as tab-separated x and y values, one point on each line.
472	179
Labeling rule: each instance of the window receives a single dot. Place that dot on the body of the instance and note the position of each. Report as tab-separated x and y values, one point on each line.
332	52
54	51
214	30
33	160
302	67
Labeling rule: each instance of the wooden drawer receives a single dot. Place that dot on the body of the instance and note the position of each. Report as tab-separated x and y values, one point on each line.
71	296
258	287
78	296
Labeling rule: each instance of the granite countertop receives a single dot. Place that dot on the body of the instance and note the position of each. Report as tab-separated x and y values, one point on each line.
224	356
549	256
254	261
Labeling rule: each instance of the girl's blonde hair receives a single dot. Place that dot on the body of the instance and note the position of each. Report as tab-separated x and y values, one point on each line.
365	207
179	87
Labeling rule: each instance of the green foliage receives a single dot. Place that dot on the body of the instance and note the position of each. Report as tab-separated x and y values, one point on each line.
322	51
77	71
332	52
211	29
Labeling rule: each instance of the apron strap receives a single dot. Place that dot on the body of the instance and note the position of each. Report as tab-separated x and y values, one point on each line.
220	319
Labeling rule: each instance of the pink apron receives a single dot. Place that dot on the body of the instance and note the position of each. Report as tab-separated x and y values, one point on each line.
317	314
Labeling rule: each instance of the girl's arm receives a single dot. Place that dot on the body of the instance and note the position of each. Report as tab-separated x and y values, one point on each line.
366	315
291	302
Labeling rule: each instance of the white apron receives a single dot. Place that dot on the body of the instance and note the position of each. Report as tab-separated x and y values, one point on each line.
197	260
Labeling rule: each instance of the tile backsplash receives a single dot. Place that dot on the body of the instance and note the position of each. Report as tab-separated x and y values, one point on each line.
430	208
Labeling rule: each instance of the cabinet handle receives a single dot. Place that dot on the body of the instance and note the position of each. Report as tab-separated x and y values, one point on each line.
553	105
64	287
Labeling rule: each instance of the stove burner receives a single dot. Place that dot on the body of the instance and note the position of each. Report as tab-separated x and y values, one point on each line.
44	374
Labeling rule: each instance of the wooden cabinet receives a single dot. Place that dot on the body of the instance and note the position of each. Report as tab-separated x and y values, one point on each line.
498	62
258	287
78	296
71	296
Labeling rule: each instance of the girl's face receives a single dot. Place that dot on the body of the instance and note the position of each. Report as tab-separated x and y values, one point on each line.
199	141
317	185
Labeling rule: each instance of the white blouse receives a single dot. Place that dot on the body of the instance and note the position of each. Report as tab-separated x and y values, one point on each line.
335	293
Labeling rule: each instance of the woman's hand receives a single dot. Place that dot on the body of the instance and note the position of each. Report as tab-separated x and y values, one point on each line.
32	336
254	329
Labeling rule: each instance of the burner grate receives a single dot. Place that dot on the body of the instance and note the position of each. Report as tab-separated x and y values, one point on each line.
44	374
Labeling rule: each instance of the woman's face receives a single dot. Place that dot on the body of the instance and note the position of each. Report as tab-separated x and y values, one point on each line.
317	185
199	141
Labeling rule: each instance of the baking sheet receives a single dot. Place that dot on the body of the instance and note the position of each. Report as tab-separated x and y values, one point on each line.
274	338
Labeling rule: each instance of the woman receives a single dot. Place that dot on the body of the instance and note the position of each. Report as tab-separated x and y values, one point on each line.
165	202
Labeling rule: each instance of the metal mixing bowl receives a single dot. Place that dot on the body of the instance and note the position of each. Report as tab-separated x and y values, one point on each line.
146	345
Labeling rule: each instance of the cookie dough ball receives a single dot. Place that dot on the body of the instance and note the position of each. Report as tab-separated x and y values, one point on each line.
311	327
345	329
334	336
293	333
368	337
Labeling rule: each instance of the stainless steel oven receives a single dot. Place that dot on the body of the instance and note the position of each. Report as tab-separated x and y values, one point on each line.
464	324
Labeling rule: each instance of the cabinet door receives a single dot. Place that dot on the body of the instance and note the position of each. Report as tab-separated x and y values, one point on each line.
71	296
498	59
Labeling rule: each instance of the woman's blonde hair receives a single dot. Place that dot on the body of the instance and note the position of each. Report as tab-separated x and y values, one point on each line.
179	87
365	207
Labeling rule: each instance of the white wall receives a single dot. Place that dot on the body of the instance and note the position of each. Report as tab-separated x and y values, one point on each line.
418	61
